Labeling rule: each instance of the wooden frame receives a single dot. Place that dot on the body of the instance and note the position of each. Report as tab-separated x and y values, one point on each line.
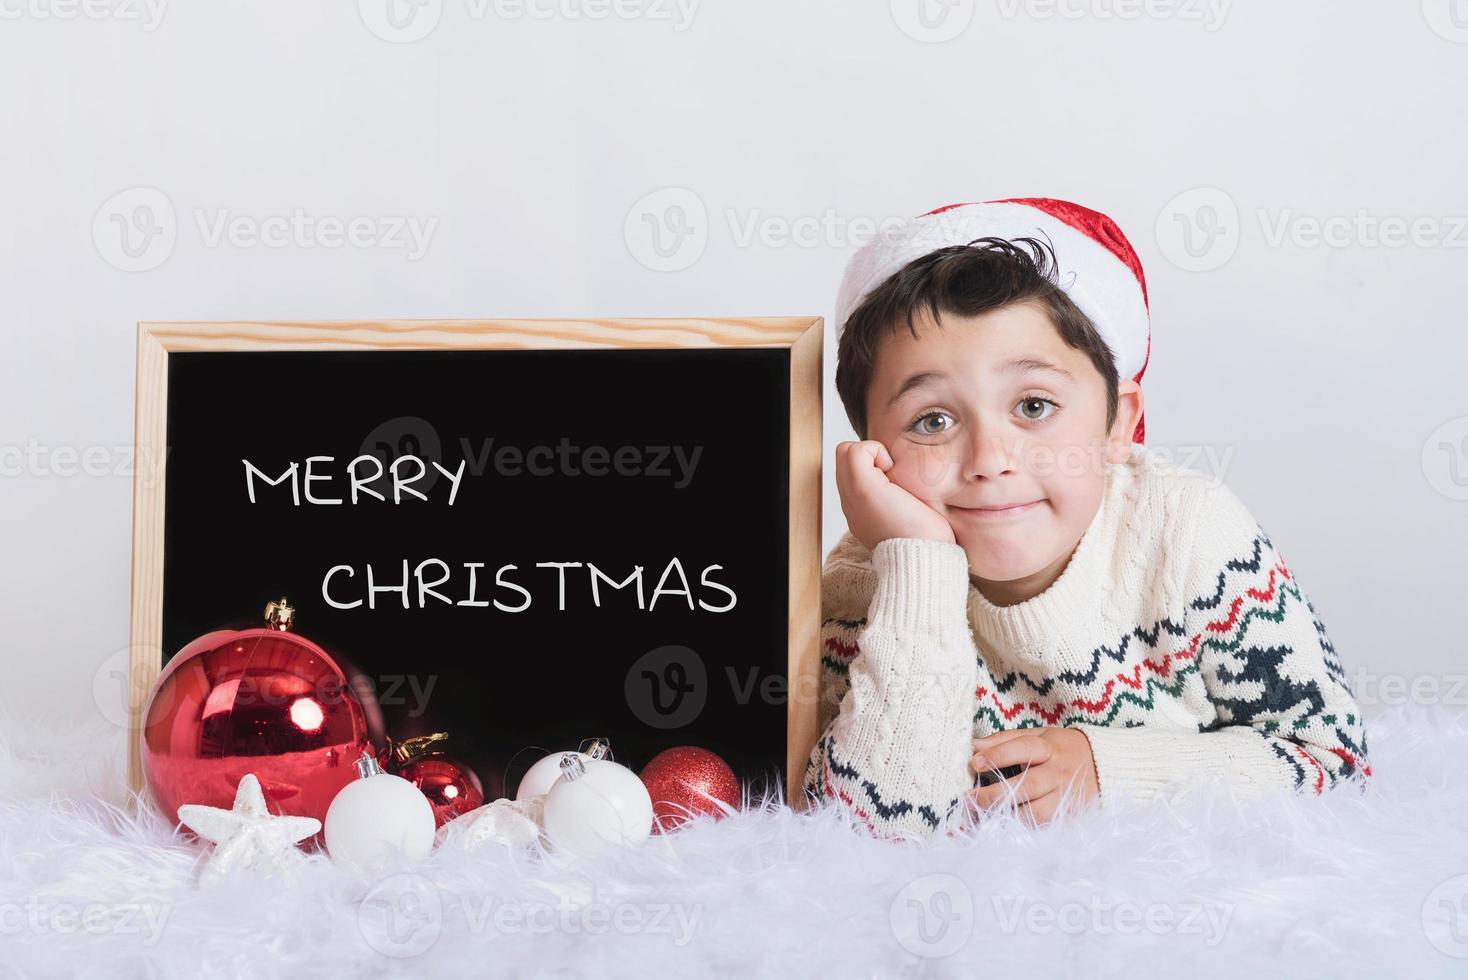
802	335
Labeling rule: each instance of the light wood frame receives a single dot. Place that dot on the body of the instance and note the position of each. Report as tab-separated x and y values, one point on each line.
801	335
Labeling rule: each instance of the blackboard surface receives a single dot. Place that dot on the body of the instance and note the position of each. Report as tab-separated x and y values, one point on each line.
694	449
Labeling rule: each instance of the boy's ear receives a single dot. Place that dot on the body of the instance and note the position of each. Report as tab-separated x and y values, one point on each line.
1128	411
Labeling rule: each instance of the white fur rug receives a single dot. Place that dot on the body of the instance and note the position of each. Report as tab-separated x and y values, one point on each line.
1341	885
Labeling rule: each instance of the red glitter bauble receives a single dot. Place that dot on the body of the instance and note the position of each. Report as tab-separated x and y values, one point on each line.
686	781
262	701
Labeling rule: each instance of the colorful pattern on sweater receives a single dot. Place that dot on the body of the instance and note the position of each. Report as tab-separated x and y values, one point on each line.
1246	651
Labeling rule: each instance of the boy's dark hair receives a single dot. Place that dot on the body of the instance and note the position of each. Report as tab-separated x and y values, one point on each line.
965	280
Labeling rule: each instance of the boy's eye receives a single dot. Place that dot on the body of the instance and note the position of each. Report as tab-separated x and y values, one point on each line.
1032	408
932	423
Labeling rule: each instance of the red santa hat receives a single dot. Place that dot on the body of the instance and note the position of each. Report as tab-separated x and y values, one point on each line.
1096	265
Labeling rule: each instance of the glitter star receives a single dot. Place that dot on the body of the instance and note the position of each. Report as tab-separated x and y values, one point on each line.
247	836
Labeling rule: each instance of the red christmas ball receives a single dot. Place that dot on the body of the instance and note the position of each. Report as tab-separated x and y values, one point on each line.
263	701
451	787
685	782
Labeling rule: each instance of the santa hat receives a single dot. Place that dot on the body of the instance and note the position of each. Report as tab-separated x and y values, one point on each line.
1096	265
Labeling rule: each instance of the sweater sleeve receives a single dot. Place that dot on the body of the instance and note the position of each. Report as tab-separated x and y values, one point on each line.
897	693
1285	714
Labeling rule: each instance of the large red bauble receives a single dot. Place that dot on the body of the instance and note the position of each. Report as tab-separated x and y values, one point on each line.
262	701
677	779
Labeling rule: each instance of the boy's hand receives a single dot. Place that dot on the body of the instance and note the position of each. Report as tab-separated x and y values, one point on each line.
875	507
1056	760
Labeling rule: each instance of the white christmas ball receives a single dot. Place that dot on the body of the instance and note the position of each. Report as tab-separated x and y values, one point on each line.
607	804
371	818
543	774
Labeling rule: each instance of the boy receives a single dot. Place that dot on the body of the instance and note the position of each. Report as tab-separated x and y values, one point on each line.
1025	591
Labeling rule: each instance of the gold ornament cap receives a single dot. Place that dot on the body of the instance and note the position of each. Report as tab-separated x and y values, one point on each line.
280	614
404	751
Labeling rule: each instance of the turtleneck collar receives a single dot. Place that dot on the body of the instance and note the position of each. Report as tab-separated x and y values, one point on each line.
1076	596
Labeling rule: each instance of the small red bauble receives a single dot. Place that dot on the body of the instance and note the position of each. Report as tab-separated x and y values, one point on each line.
452	788
263	701
681	781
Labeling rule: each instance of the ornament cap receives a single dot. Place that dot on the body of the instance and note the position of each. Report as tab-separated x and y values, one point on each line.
405	750
597	748
572	768
280	614
367	766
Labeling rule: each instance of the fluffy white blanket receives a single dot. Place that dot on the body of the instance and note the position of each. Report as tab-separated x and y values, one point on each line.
1341	885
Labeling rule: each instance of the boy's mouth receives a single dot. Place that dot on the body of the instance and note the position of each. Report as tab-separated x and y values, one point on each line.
999	512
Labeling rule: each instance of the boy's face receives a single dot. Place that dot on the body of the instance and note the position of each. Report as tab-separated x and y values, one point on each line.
968	429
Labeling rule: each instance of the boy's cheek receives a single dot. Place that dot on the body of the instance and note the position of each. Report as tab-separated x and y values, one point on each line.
926	472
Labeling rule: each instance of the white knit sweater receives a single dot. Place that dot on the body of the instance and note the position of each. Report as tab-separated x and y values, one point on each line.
1176	638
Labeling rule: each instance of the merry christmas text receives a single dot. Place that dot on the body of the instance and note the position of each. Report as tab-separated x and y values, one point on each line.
433	581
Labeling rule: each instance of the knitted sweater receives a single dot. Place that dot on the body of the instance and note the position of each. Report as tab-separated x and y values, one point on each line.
1176	638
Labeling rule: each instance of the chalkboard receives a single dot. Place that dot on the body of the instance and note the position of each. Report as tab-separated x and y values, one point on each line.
522	533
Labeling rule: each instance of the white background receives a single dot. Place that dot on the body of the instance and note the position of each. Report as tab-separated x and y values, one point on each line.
1315	377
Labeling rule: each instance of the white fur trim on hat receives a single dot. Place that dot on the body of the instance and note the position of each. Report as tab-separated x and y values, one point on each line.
1097	267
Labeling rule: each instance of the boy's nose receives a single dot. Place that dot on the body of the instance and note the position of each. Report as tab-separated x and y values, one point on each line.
989	454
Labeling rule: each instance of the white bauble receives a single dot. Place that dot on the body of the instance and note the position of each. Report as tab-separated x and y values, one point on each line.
543	774
602	803
378	814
